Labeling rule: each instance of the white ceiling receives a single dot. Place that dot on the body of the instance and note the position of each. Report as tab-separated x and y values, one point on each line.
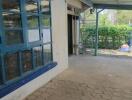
116	2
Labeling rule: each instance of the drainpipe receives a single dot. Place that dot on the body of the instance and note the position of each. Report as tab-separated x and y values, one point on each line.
97	33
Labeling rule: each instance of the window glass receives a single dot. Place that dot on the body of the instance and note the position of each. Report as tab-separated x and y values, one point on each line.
38	56
27	60
33	31
11	13
45	6
11	63
33	28
46	35
11	5
13	37
45	20
33	22
33	35
47	53
31	6
11	20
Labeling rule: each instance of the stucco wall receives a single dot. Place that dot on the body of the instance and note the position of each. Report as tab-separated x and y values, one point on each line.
60	53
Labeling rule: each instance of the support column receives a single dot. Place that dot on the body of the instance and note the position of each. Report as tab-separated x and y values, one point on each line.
97	31
96	35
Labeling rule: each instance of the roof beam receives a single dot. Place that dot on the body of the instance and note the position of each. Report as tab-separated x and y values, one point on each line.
87	2
113	6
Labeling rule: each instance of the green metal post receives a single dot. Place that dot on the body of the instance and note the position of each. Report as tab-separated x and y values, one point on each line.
97	31
96	35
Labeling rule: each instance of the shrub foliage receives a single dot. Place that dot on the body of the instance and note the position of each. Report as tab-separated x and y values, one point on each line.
110	37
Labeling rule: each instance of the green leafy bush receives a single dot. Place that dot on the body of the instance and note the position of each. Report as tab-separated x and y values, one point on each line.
110	37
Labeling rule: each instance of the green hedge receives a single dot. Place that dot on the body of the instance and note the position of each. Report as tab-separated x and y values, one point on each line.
110	37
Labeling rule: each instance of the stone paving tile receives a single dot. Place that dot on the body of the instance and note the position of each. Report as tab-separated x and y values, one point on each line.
100	78
69	90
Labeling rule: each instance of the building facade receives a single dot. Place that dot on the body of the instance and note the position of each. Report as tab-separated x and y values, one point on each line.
36	37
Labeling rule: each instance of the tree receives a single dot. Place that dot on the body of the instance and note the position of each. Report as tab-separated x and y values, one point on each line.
103	20
124	17
109	17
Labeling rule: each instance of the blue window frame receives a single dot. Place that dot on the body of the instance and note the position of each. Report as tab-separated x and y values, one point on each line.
25	38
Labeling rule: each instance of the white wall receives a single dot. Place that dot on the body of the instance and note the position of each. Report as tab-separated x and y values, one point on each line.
59	19
60	52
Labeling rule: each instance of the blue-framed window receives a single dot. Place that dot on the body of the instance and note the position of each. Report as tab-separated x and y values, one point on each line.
25	38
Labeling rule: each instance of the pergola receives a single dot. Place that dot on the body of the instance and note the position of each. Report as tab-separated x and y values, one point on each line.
100	5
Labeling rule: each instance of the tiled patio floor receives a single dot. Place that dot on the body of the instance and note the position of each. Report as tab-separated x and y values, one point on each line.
90	78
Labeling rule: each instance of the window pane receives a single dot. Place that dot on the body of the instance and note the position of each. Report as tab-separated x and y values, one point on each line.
45	6
11	5
33	21
33	35
46	35
38	56
45	21
31	6
47	54
11	63
27	60
13	37
11	20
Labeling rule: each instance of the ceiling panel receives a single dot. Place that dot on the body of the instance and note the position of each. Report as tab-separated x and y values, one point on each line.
113	4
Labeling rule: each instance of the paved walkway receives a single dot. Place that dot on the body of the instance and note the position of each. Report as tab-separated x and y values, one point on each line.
90	78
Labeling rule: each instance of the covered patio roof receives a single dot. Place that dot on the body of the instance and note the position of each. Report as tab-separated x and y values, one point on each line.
106	4
110	4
